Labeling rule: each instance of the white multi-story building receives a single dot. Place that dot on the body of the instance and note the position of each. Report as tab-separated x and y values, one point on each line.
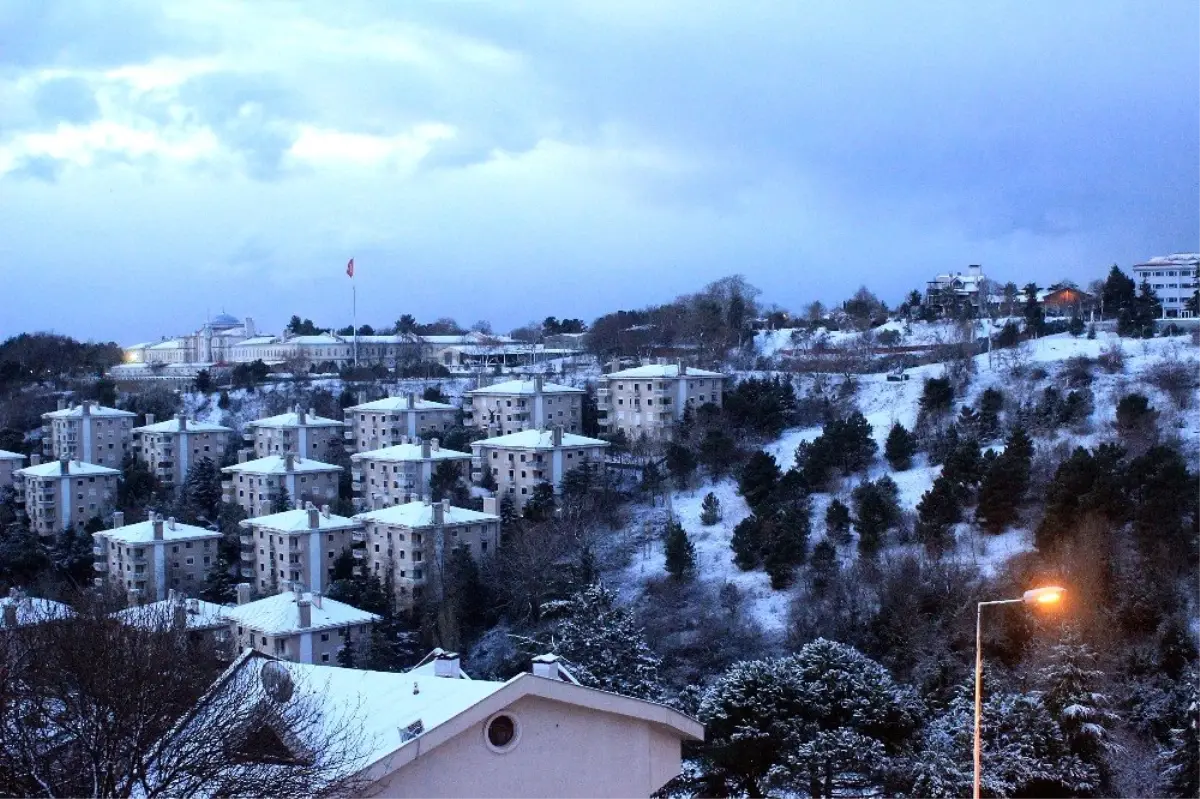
19	609
9	463
1174	279
647	400
297	546
87	432
171	448
65	493
516	405
256	485
392	420
396	474
203	620
412	541
298	431
148	559
518	462
295	625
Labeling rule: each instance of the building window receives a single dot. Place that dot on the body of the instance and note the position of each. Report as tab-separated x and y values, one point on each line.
502	733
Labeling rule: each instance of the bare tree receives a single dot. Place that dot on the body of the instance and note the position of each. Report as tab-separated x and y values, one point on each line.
94	707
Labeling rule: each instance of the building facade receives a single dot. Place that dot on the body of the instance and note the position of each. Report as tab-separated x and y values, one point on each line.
257	485
171	448
296	546
1174	279
87	432
518	462
203	621
395	474
149	559
392	420
953	294
516	405
646	401
298	431
65	493
411	542
295	625
9	463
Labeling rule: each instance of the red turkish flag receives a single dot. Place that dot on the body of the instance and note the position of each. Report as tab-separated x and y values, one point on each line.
350	268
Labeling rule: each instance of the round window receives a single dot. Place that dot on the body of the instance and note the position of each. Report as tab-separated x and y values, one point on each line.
501	732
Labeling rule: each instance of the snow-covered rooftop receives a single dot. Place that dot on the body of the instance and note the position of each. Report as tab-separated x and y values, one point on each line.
31	609
74	469
172	426
662	370
418	514
391	404
321	338
297	520
1178	259
257	341
524	387
197	614
280	614
277	464
143	532
539	439
410	452
5	455
292	419
77	411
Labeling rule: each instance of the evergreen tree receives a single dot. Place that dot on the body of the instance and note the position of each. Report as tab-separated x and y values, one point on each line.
1070	685
219	585
710	510
747	543
72	553
652	480
487	481
508	512
837	522
876	509
201	493
24	556
679	551
540	505
1164	504
346	656
900	448
963	468
137	487
1179	760
223	400
681	464
1136	418
759	478
785	548
1075	326
604	647
1035	317
854	446
1005	483
1118	294
937	511
282	501
937	397
823	566
717	451
444	481
1085	484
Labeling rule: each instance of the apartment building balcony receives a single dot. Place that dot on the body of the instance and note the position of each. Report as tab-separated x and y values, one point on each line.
246	571
359	554
247	556
358	537
248	437
98	551
98	582
294	544
348	435
100	565
136	558
246	539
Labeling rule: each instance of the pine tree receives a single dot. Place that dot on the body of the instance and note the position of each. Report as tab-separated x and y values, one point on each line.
1075	326
681	463
964	468
540	505
679	551
854	446
937	511
900	448
759	477
1118	294
876	509
717	451
1179	760
1035	316
72	554
747	543
1005	483
282	501
710	510
1070	683
937	397
219	583
345	655
837	522
651	478
604	647
201	494
991	402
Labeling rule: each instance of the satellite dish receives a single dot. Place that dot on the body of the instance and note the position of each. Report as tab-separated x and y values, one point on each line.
277	681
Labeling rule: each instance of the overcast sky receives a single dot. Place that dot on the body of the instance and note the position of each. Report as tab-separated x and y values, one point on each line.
512	160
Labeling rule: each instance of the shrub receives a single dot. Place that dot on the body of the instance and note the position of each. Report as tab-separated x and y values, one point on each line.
1112	359
1174	379
1077	372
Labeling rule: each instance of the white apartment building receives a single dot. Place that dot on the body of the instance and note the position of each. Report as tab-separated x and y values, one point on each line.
297	546
149	559
171	448
392	420
516	405
9	463
88	432
520	461
64	493
395	474
647	400
298	431
256	484
412	541
202	620
295	625
19	609
1174	279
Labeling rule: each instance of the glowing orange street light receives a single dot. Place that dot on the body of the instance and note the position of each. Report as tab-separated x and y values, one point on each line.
1051	595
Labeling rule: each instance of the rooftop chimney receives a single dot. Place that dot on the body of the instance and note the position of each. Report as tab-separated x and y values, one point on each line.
550	666
149	419
178	612
316	599
35	459
325	511
171	595
157	524
439	512
558	434
64	465
118	519
491	505
435	445
424	449
446	664
86	408
62	404
10	614
244	455
305	608
314	517
412	399
243	593
170	522
182	419
289	462
537	384
193	606
361	398
300	417
682	369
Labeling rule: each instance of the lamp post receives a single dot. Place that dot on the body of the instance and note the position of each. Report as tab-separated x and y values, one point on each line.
1049	595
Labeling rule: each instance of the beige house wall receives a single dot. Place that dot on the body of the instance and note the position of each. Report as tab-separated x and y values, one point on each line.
385	482
256	493
650	406
517	471
413	556
369	430
280	558
155	449
7	467
110	438
135	566
325	643
318	441
501	414
90	496
562	751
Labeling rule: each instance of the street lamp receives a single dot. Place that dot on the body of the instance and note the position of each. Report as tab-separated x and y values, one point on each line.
1050	595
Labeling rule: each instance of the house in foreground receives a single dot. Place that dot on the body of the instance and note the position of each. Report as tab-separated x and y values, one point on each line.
430	733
